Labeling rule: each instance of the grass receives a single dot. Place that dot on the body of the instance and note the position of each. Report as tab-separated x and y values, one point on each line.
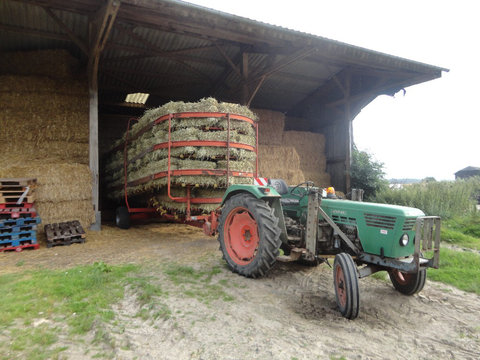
198	284
448	199
463	231
459	269
80	295
72	300
40	307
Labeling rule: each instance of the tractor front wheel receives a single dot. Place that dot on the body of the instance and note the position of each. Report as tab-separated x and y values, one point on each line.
345	279
249	235
408	284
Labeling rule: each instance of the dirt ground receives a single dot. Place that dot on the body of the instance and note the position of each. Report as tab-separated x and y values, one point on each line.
289	314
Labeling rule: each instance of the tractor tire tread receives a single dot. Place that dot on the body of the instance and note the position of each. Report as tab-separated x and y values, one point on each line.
413	287
352	306
268	248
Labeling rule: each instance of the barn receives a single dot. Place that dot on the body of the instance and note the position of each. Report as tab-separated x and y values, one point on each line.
67	67
467	172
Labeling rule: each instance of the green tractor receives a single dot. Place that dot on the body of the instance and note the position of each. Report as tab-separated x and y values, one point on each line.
260	225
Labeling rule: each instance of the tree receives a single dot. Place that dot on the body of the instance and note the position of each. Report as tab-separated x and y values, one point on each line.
366	173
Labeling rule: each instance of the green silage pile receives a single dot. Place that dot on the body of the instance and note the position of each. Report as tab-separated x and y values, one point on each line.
143	161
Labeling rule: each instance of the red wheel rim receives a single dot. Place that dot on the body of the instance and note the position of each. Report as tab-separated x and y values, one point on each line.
401	278
340	286
241	236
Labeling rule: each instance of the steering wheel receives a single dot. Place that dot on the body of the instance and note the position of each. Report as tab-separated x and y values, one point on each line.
308	183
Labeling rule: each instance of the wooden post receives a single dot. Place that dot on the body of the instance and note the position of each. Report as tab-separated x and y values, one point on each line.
99	30
245	91
93	143
349	140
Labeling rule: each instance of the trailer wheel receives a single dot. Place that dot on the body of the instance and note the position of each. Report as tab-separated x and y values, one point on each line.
249	235
347	292
122	217
408	284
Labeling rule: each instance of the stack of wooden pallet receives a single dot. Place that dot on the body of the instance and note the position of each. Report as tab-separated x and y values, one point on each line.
65	233
18	217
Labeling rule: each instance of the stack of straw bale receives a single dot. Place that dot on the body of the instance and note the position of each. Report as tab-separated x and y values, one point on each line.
295	156
150	162
270	127
311	151
280	162
63	192
44	131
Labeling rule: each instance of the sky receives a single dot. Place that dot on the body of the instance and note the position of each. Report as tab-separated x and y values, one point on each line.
434	130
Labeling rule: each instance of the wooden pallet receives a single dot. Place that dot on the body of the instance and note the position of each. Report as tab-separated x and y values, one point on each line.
15	198
17	229
21	235
6	183
65	233
13	205
8	213
20	247
15	191
13	243
6	222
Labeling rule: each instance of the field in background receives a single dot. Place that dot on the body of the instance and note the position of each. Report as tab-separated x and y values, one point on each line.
448	199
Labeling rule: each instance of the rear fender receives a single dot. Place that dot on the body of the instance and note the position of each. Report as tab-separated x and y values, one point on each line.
260	192
265	193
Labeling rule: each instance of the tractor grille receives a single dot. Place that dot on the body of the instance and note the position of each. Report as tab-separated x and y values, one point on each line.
409	223
344	220
380	221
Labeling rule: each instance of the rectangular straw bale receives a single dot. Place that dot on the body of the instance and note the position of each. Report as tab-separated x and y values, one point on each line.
44	85
53	63
270	127
310	148
321	179
29	126
55	181
60	211
280	162
52	151
36	102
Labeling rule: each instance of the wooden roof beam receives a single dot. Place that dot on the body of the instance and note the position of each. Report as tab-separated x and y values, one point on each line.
34	32
76	39
279	65
145	54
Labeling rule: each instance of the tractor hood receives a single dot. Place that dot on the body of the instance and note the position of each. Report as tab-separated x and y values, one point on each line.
380	226
337	206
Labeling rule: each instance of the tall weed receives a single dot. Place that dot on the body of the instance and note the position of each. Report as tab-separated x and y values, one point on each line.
444	198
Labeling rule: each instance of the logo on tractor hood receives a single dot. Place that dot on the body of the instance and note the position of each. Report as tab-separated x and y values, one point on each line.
384	232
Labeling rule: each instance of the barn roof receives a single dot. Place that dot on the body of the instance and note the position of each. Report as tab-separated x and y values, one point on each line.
175	50
468	169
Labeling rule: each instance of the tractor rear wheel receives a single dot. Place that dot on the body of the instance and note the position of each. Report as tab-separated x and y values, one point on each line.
345	278
408	284
249	235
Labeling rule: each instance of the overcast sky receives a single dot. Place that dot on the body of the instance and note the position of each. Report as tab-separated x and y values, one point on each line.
434	130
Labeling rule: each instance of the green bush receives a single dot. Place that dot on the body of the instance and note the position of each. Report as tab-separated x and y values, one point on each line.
367	173
447	199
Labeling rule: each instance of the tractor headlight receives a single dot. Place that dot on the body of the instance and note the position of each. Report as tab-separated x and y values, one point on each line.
404	240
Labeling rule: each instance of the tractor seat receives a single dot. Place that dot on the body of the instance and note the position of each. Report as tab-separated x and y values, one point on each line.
280	185
289	202
282	188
